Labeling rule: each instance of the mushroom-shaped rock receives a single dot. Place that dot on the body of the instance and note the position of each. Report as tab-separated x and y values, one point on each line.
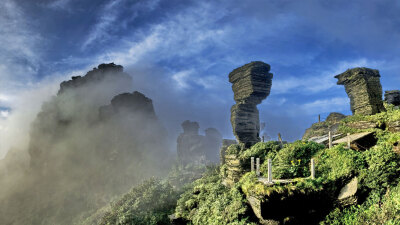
364	89
251	84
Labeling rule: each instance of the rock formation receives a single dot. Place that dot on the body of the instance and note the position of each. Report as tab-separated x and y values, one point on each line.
364	90
198	149
251	84
393	97
87	141
321	129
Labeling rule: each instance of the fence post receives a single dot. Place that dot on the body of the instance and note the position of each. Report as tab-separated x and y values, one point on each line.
269	170
258	166
252	164
312	169
348	140
330	139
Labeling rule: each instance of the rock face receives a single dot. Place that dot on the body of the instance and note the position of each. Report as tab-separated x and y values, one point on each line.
322	128
393	97
251	84
198	149
364	90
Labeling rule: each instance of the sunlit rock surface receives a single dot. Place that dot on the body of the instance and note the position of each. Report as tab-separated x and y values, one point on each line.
251	84
364	90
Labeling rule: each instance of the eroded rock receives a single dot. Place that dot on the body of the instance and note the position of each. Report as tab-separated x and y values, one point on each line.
364	89
251	84
320	130
393	97
198	149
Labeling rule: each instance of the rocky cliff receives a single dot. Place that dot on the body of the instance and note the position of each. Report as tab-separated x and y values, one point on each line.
251	84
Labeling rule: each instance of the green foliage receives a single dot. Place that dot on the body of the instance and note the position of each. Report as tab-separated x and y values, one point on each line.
338	163
391	114
293	160
383	166
210	202
180	176
233	149
261	150
376	210
149	203
251	186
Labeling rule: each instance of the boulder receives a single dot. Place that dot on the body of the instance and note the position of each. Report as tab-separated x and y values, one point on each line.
347	195
251	84
364	89
393	97
394	126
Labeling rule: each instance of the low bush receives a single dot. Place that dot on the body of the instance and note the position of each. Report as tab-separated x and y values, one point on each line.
293	160
149	203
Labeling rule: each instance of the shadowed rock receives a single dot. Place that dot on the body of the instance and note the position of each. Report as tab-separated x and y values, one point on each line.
393	97
364	90
198	149
251	84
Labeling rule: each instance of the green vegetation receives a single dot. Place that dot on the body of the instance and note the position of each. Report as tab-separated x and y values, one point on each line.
205	200
208	201
149	203
293	160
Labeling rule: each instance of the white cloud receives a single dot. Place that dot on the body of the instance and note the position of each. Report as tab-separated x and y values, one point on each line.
326	106
181	78
318	82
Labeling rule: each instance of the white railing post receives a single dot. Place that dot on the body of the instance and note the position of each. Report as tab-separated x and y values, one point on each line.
330	139
269	170
252	164
258	167
348	140
312	169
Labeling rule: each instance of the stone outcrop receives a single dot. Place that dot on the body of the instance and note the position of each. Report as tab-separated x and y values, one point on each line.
321	129
136	103
347	195
393	97
251	84
364	90
198	149
394	126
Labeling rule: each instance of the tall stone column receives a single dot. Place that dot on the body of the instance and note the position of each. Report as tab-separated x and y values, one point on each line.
364	89
251	84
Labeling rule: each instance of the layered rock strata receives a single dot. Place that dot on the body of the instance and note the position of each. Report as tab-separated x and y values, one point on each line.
393	97
364	89
251	84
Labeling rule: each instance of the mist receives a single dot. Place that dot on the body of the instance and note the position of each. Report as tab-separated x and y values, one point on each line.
90	142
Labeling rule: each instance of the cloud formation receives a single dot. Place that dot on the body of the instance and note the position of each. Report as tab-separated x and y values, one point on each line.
181	52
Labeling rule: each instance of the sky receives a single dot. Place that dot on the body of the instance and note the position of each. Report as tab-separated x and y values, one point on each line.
180	53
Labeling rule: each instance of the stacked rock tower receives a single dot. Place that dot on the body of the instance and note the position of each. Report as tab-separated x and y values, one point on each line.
251	84
364	90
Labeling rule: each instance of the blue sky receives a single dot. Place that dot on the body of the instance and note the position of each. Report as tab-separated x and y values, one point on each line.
181	52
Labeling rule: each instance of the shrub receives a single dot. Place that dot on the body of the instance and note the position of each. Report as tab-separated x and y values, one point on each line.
149	203
383	167
210	202
338	163
294	160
